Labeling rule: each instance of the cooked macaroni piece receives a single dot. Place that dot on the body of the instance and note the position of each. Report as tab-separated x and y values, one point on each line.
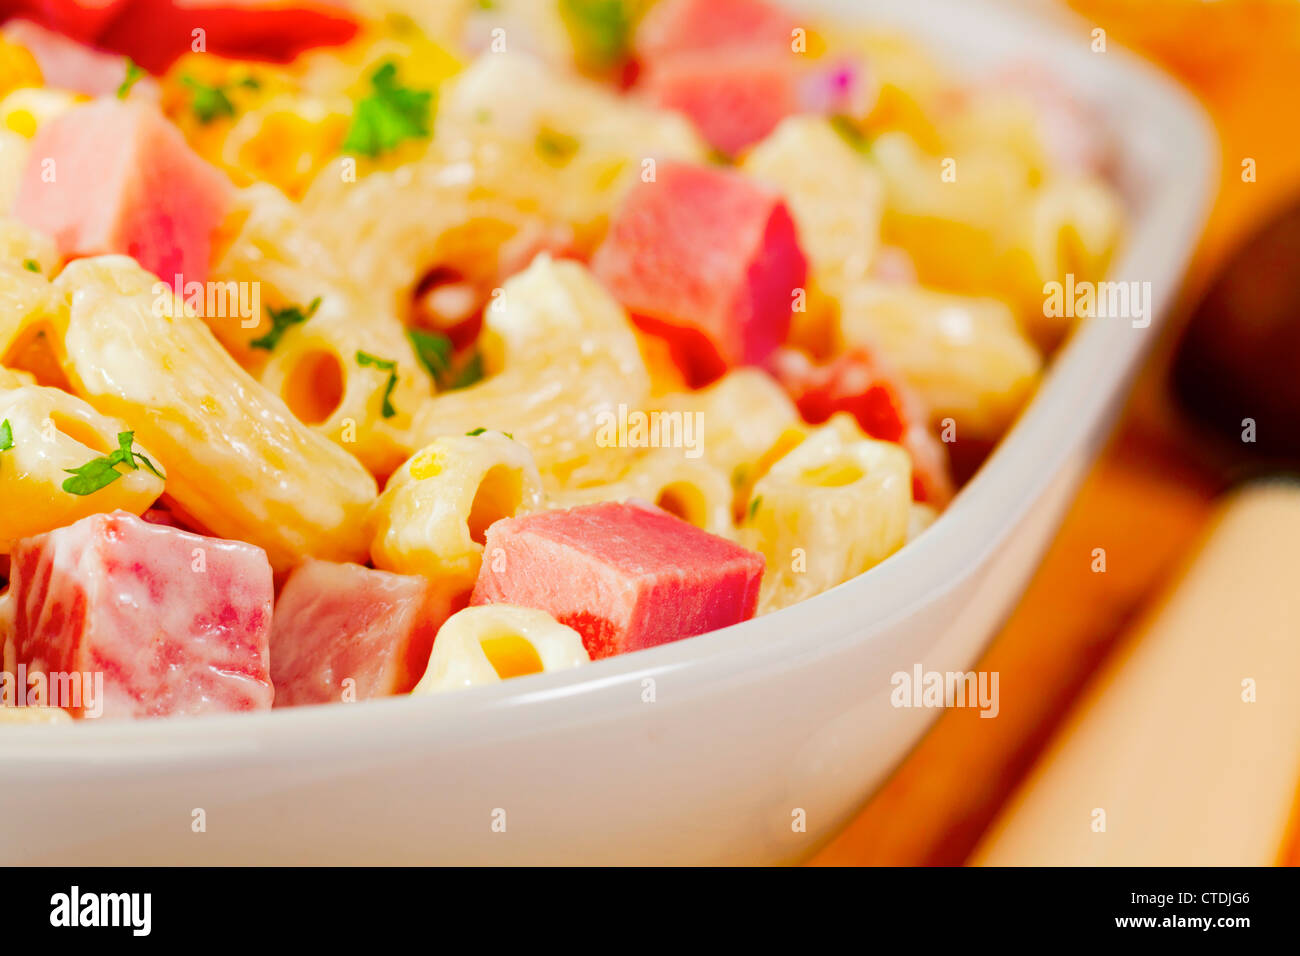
549	394
586	142
966	357
747	421
236	458
431	518
53	432
13	159
320	369
695	491
22	247
826	512
32	318
493	642
835	195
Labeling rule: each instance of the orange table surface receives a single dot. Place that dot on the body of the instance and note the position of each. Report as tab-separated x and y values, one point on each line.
1148	496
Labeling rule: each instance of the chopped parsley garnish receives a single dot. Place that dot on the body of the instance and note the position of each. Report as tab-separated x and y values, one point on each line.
753	507
435	353
31	265
601	29
6	435
476	432
555	147
851	133
102	472
469	373
208	102
133	75
384	365
281	321
389	116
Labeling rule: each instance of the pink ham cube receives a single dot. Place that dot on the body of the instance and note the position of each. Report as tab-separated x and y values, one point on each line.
736	98
734	68
117	177
693	26
339	621
70	65
708	260
177	623
625	576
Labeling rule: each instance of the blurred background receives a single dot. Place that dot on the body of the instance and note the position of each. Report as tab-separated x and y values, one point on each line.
1198	526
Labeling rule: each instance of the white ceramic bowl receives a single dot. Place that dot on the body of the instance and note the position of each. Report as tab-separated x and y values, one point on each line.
747	725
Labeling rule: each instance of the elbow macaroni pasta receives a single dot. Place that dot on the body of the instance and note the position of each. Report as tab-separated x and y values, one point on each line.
492	642
431	518
965	357
548	394
748	423
236	458
829	510
695	491
52	432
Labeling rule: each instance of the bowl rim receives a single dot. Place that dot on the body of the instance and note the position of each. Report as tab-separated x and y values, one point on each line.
1085	374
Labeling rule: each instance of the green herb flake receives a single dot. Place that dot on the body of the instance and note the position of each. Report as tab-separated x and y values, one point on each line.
753	507
851	133
389	116
208	102
384	365
601	30
101	472
31	265
281	321
133	75
434	353
6	435
555	147
476	432
470	373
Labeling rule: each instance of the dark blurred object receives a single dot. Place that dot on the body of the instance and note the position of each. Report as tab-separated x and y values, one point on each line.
1239	358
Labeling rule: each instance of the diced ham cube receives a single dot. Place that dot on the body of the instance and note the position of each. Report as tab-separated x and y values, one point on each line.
70	65
694	26
339	621
733	67
883	405
734	98
708	260
624	575
117	177
177	623
155	32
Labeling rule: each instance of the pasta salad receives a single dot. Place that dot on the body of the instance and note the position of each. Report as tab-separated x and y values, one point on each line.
403	346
